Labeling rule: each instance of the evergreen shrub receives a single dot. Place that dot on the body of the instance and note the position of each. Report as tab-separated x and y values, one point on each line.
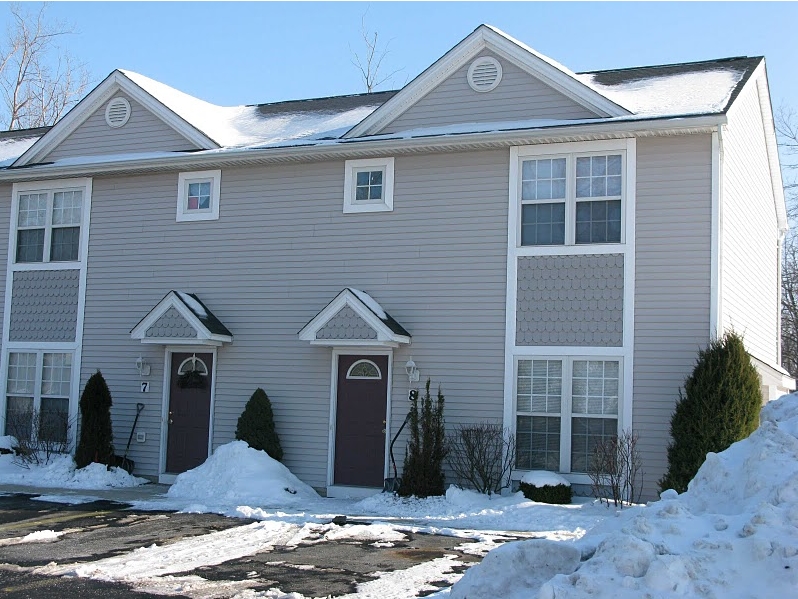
422	474
256	425
720	406
547	493
96	433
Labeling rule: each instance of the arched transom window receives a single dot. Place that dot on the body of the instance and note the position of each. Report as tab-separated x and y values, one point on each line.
194	364
364	369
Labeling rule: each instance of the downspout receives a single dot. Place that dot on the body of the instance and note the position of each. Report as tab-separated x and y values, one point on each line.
716	237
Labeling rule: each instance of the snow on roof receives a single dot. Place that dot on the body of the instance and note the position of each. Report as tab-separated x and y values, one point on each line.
236	126
370	302
13	148
671	95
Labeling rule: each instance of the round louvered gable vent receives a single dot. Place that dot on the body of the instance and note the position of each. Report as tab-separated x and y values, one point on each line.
484	74
117	113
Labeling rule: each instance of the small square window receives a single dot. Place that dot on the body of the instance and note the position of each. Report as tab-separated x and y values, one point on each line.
198	195
368	185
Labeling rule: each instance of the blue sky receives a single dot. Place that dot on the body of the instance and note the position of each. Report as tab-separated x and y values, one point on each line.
235	53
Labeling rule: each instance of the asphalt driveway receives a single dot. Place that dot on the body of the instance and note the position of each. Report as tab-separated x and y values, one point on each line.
103	529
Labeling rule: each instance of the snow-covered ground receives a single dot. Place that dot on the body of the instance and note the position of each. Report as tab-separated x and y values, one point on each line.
61	473
734	533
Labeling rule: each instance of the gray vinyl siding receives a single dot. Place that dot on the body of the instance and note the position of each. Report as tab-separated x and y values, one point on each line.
144	132
570	300
280	251
346	324
749	255
519	96
44	305
672	283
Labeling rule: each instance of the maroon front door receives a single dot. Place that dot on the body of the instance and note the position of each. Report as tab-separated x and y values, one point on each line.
360	421
189	411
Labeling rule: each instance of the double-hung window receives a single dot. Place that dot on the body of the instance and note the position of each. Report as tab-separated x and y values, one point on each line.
38	388
571	199
48	225
564	406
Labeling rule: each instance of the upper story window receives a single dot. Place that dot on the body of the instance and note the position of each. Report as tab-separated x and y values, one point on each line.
571	199
198	195
48	222
368	185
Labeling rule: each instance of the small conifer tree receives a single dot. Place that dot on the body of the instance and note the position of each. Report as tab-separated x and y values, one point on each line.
720	406
96	434
422	474
256	425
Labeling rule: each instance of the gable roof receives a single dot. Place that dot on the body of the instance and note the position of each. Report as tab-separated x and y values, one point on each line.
482	38
209	329
389	333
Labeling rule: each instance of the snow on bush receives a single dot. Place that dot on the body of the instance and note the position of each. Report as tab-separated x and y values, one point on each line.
236	473
544	478
733	533
61	473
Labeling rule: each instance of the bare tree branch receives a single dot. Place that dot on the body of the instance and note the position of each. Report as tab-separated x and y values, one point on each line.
369	62
786	120
39	81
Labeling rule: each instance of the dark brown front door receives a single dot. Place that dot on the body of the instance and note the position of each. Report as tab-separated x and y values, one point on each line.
189	411
360	421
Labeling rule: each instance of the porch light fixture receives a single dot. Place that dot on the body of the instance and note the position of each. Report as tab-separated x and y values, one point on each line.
142	367
411	370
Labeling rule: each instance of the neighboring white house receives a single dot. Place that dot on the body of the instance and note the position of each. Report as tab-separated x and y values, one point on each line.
551	248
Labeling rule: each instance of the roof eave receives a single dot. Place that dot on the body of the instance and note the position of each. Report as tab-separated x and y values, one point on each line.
374	147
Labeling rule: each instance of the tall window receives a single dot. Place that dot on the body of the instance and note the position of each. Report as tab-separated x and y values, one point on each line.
571	199
38	387
48	226
564	407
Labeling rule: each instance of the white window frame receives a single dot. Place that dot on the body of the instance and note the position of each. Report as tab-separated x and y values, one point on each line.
40	350
351	168
50	188
570	151
566	401
214	177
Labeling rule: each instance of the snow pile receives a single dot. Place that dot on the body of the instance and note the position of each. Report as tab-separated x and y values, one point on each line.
236	473
8	442
734	533
61	473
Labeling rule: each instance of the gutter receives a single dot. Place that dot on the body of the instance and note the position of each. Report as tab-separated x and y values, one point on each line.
359	147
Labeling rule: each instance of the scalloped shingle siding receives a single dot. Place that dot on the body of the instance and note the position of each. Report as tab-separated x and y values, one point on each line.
346	325
171	325
44	305
570	300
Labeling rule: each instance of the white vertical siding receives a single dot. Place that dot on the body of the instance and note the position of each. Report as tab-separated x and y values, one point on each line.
519	96
281	249
672	283
749	253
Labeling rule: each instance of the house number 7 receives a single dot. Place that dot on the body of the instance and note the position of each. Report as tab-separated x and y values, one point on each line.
145	386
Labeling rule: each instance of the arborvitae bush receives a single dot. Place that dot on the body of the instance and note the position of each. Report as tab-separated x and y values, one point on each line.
547	493
720	405
256	425
96	434
422	474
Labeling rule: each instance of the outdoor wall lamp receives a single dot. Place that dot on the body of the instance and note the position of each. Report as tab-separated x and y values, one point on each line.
142	367
412	370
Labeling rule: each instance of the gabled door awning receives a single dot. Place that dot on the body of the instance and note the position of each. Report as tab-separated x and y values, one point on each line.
354	318
181	318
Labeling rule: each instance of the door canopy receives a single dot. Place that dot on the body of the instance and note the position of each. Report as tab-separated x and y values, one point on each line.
354	318
181	318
